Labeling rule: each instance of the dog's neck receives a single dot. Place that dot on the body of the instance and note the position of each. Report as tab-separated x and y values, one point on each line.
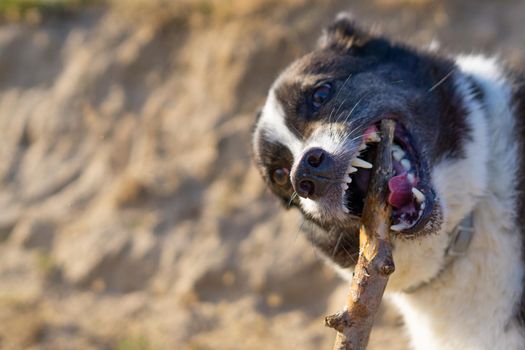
472	303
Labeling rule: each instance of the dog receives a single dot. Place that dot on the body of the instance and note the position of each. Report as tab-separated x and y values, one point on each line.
458	191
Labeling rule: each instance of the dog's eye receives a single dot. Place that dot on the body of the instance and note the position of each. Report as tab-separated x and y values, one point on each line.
321	95
280	176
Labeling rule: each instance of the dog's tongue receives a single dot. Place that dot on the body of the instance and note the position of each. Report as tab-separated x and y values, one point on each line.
400	191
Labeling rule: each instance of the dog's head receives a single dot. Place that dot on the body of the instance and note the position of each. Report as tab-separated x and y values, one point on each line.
316	136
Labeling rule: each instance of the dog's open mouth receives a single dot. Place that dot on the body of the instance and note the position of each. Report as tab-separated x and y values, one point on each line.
409	194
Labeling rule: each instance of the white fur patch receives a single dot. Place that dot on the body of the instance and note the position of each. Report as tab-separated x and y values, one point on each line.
331	137
272	121
311	207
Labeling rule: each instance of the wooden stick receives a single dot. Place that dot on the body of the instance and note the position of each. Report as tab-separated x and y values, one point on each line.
375	262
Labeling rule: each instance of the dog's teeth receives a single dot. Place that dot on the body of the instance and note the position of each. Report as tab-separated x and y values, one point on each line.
411	178
398	154
352	170
345	186
397	227
345	210
422	206
347	179
359	163
406	164
373	137
362	147
396	147
420	197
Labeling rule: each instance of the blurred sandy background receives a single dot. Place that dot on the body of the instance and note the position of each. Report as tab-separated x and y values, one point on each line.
131	217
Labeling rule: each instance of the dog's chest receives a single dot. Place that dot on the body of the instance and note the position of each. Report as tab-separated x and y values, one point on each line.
472	304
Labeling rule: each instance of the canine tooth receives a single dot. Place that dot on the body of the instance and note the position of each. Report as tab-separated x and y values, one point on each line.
359	163
398	155
406	164
411	178
398	227
420	197
347	179
352	170
345	210
362	147
396	147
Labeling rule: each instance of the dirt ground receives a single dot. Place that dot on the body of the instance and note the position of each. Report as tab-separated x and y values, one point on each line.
131	216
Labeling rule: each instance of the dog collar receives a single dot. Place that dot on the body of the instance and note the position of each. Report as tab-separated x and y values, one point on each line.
460	239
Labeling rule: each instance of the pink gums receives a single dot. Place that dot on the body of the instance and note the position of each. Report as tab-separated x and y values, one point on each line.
370	132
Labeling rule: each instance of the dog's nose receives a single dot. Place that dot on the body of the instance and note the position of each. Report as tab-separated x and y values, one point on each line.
313	174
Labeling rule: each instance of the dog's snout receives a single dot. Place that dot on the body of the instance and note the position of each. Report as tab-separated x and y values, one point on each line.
313	174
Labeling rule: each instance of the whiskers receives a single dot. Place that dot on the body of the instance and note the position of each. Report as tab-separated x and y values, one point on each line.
337	244
442	80
336	96
292	198
340	245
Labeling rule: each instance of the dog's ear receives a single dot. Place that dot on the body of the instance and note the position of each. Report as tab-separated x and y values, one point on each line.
343	34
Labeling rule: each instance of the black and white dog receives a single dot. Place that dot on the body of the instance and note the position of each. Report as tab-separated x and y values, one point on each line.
459	189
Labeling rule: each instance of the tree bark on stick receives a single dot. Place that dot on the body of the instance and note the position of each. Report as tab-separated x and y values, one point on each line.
375	262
